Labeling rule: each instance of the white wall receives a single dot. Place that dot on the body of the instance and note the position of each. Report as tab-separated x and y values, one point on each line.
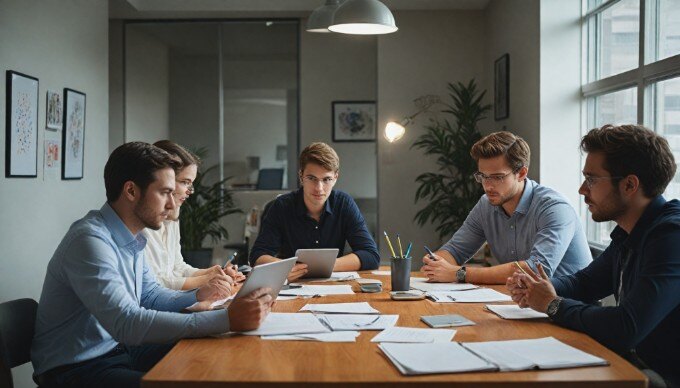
429	50
64	44
337	67
146	87
513	27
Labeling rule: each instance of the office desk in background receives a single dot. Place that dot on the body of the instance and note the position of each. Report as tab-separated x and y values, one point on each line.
250	361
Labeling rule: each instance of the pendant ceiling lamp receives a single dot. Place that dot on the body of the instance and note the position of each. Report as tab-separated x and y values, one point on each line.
363	17
322	17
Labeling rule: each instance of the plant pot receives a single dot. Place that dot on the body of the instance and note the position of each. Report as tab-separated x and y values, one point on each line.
198	258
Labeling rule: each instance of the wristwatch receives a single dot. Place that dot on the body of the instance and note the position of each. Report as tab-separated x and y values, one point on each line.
460	274
553	307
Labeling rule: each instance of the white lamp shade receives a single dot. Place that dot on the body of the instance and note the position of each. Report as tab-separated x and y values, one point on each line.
394	131
363	17
322	17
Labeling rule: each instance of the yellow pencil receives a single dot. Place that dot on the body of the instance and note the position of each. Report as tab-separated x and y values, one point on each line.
389	244
520	268
401	252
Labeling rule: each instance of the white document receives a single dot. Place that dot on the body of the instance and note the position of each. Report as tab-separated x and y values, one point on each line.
289	323
382	273
341	308
414	335
219	303
338	322
438	357
513	311
542	353
478	295
422	285
335	277
311	290
334	336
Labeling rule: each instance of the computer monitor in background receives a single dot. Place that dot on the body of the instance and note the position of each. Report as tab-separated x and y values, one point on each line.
270	179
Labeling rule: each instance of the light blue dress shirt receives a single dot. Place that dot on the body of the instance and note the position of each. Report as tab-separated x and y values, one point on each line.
99	292
543	229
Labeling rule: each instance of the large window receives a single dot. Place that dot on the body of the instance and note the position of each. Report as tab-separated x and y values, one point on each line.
632	75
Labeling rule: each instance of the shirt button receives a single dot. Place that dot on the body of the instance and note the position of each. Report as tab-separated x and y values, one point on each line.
316	227
513	252
316	241
512	226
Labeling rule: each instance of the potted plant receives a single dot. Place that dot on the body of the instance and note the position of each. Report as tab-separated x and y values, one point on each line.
452	191
200	217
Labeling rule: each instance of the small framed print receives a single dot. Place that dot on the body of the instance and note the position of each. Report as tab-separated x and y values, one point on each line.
21	141
354	121
54	109
501	97
73	135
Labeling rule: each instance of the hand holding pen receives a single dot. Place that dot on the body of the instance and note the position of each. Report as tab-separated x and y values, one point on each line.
232	269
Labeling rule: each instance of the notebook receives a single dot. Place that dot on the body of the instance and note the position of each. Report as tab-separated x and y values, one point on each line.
513	311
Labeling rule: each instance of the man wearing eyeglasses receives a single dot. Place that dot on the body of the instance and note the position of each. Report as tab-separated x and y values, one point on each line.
525	223
316	216
627	169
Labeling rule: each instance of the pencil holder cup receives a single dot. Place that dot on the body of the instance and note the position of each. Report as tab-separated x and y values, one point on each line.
400	269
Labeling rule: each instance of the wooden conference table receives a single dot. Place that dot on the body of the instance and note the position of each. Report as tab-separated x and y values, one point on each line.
248	360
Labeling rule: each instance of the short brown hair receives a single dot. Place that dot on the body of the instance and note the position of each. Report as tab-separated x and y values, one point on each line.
321	154
633	150
186	157
136	162
514	148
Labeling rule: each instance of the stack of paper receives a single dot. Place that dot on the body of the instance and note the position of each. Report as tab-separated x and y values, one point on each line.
542	353
341	308
335	277
289	323
337	322
414	335
382	273
513	311
478	295
438	357
334	336
313	290
422	285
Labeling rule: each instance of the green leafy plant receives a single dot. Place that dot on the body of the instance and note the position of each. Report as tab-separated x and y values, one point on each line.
452	191
201	213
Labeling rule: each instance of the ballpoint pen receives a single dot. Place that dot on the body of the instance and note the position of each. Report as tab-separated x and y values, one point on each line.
430	253
520	268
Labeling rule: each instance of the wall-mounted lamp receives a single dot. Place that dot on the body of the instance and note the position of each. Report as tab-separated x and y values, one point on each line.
357	17
395	131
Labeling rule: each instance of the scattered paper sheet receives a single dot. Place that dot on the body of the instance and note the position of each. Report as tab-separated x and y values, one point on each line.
358	321
341	308
289	323
422	285
383	273
335	277
311	290
334	336
414	335
478	295
513	311
438	357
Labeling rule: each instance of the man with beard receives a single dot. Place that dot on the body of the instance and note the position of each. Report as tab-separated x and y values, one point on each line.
627	169
524	223
102	319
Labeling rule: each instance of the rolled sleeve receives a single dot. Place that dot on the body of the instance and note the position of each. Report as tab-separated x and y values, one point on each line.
469	237
556	229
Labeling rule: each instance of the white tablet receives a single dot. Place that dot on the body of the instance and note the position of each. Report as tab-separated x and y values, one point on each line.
320	262
271	275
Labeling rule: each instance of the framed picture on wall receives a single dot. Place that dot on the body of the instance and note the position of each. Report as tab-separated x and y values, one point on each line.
54	109
501	96
73	135
21	122
354	121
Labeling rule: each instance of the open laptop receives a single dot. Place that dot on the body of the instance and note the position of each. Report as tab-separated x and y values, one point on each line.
271	275
320	262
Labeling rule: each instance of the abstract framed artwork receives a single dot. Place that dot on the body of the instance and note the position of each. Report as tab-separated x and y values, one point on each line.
501	96
21	121
354	121
54	109
73	135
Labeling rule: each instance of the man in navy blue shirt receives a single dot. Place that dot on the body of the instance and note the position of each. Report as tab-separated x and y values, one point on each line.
627	169
316	216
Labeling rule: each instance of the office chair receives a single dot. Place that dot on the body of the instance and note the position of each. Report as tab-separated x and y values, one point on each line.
270	179
17	323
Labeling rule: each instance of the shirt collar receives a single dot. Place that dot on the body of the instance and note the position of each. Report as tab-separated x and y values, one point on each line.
120	233
648	216
301	208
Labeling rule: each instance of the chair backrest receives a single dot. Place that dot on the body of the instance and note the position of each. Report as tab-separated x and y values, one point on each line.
270	179
17	324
